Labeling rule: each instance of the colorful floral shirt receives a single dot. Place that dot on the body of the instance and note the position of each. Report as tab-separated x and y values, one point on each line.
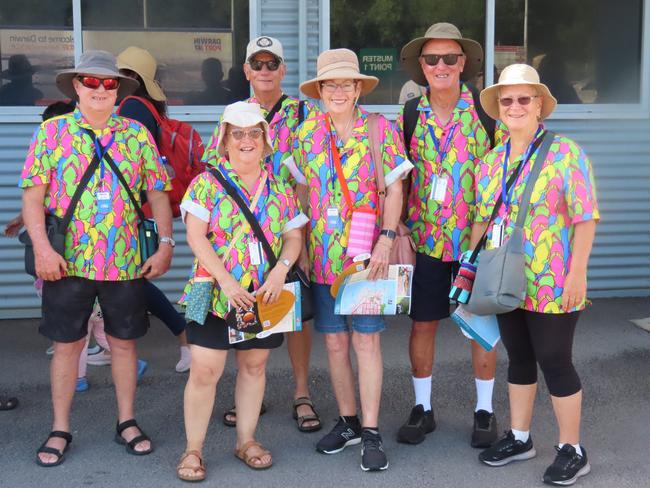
277	211
101	244
327	244
441	228
282	130
564	195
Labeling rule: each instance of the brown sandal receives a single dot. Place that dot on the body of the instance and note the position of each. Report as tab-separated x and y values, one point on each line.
242	453
198	471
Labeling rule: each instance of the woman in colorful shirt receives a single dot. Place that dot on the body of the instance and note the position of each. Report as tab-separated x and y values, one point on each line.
338	182
558	233
226	248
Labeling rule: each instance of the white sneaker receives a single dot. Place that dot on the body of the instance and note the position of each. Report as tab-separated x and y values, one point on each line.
184	362
102	358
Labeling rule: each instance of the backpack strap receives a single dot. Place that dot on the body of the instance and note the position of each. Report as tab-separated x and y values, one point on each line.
410	121
146	103
275	109
489	124
301	112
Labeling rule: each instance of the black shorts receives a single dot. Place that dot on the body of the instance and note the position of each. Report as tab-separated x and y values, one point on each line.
214	335
68	303
432	280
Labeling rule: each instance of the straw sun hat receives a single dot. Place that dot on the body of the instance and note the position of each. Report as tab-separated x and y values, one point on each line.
337	64
517	74
144	64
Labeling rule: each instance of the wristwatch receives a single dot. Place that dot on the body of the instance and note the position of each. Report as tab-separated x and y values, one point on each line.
391	234
167	240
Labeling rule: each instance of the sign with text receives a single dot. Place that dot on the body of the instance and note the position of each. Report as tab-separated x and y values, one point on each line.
378	61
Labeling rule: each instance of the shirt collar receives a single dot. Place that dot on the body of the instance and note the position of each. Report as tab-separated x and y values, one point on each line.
114	123
465	101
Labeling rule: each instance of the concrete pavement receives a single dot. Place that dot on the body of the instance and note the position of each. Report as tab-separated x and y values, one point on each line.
612	355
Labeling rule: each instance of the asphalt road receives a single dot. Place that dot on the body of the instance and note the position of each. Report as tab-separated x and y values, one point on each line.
612	356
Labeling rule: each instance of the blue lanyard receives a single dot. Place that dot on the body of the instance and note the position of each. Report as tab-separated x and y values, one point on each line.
506	196
102	152
262	201
442	153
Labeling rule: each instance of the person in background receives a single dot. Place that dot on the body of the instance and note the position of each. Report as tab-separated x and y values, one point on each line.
558	232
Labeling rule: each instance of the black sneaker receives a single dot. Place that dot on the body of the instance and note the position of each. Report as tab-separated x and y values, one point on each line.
485	429
417	426
508	449
567	467
343	434
373	457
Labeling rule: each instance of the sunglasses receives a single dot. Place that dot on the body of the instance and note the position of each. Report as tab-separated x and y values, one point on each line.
272	65
331	87
239	134
93	82
508	101
449	59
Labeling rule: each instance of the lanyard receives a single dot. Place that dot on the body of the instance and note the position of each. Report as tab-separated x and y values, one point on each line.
506	193
256	198
442	153
336	157
101	152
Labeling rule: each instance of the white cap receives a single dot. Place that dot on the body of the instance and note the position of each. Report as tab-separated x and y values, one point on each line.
265	44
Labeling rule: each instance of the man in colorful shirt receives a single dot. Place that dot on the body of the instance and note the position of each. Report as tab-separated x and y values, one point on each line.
447	143
101	260
265	69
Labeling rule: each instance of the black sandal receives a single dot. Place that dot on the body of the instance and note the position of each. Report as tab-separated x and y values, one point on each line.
233	413
130	446
52	450
298	402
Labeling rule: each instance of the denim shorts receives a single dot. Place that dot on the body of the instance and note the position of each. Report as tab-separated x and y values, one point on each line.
326	322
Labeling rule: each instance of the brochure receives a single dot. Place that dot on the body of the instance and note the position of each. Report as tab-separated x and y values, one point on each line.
290	323
391	296
484	329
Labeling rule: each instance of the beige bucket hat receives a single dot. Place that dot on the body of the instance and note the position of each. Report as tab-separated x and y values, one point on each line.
517	74
144	64
337	63
98	63
442	30
243	114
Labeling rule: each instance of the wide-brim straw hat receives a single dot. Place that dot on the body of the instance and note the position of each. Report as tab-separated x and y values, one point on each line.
517	74
410	55
96	63
338	64
144	64
243	114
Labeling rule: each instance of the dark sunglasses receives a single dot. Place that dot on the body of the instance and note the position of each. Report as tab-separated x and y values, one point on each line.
507	101
272	65
449	59
93	82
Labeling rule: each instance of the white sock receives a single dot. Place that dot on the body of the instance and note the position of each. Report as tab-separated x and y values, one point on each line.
422	388
575	446
521	435
484	389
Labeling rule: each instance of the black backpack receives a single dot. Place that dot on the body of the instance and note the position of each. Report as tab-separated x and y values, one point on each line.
411	117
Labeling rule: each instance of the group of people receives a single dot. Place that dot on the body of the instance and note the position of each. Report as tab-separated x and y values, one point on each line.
306	174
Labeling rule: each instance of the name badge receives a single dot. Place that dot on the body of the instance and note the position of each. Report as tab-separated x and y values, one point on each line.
497	236
438	188
104	201
333	218
256	253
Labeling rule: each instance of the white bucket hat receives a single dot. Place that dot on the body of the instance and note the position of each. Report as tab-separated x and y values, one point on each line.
517	74
243	114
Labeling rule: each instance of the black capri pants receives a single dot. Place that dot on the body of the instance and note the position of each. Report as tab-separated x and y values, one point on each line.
544	338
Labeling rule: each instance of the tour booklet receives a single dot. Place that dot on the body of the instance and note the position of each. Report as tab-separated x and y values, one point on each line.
290	323
391	296
484	329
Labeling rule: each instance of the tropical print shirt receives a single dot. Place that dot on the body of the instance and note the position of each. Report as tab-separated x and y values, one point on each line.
327	244
564	195
277	211
102	240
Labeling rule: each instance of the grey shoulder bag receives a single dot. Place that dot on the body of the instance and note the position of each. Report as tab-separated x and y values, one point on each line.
500	283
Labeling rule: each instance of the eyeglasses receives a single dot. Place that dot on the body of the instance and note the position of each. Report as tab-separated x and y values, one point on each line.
93	82
347	87
239	134
271	65
449	59
508	101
